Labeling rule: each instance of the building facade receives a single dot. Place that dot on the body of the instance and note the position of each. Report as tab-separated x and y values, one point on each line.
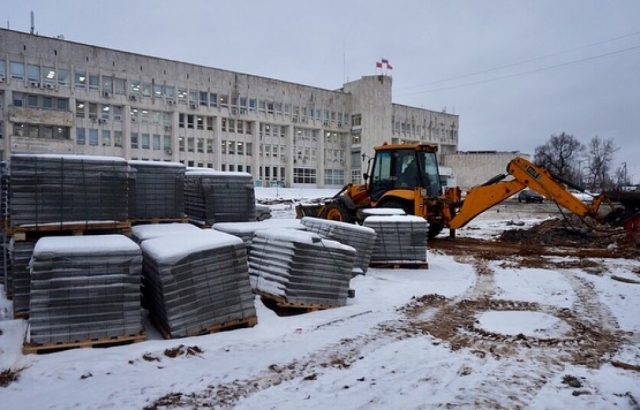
58	96
477	167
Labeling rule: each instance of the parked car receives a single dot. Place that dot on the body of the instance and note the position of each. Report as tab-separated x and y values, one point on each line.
530	196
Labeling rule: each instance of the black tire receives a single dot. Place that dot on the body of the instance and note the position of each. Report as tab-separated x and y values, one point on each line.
334	211
434	230
519	199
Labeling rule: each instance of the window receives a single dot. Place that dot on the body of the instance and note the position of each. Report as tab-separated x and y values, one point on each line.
169	92
80	109
134	88
93	111
93	137
94	82
209	123
64	77
240	148
121	86
199	122
252	104
134	140
117	138
80	139
157	91
223	147
80	78
182	96
33	73
18	99
190	121
224	100
33	101
204	98
3	68
190	145
117	112
181	144
249	149
167	142
209	146
106	138
356	120
200	144
104	113
144	142
146	89
156	142
304	176
17	70
334	177
213	99
47	102
62	104
107	84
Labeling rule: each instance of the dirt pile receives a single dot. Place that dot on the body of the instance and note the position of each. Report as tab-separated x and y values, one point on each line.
571	231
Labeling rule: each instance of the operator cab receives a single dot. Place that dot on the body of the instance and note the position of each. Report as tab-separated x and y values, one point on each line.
404	169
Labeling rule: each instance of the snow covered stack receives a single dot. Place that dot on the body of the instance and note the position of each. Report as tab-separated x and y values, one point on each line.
197	282
84	288
361	238
141	233
400	239
246	230
50	188
300	267
156	190
215	196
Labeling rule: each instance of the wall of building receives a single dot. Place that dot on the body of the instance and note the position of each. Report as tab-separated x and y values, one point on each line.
64	97
474	168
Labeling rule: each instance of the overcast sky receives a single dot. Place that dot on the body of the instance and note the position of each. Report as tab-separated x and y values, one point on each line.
515	71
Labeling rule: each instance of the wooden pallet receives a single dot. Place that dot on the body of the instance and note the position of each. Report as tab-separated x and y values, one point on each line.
231	325
152	221
399	265
282	307
30	232
40	348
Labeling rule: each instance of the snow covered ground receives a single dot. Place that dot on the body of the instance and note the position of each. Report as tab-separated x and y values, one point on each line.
464	333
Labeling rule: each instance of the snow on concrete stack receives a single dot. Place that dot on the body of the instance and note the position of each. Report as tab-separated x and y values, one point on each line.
141	233
300	269
197	283
56	189
85	288
401	239
362	238
156	190
246	230
215	196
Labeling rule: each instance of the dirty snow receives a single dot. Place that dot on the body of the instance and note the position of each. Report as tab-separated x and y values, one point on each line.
464	333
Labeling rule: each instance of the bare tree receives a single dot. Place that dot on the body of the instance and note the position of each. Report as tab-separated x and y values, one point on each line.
600	154
561	155
620	177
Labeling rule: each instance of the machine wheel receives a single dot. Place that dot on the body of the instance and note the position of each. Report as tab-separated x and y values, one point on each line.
434	230
336	212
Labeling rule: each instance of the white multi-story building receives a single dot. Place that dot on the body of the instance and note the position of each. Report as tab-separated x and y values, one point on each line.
58	96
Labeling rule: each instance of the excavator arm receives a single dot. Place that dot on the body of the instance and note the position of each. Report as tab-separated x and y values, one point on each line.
525	175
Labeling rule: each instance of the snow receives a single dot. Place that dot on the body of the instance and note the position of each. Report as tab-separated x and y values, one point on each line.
371	353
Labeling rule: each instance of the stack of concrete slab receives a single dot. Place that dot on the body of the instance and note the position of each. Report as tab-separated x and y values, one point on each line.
400	238
156	190
84	288
197	282
300	267
20	277
246	230
50	188
361	238
215	196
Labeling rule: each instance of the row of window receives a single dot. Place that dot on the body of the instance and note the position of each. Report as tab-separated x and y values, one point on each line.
40	101
41	131
50	77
